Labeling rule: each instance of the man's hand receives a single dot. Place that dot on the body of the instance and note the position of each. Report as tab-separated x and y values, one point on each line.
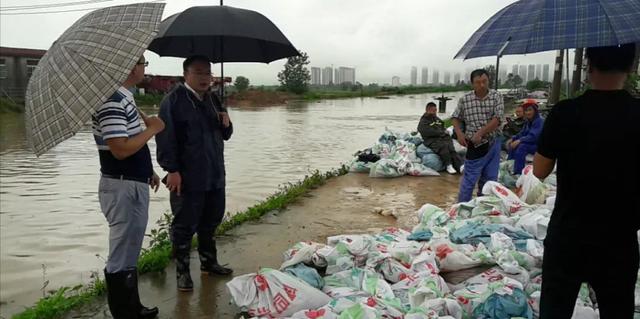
462	139
514	144
155	182
224	118
153	123
174	182
477	138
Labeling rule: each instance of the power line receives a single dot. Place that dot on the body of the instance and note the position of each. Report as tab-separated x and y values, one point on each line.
51	5
62	11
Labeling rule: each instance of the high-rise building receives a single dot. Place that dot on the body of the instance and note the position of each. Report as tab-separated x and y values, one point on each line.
425	76
522	73
337	80
531	73
447	78
395	81
414	76
316	77
502	76
346	75
545	73
436	77
539	72
514	70
327	76
456	78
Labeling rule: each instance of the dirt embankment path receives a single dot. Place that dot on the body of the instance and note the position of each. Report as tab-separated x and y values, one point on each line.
342	206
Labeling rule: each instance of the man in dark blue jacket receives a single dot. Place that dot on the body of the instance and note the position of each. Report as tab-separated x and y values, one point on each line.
525	142
191	150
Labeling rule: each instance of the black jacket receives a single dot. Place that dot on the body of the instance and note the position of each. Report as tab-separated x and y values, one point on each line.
431	128
192	142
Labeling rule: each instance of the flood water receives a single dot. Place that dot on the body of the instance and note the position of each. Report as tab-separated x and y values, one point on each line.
51	227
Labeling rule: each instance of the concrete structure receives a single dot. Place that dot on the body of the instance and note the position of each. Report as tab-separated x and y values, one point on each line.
545	73
514	70
395	81
522	72
316	76
456	78
447	78
436	77
531	73
337	80
414	76
327	76
502	75
346	75
539	71
425	76
16	67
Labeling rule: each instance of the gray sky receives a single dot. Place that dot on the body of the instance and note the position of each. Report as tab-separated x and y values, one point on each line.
379	38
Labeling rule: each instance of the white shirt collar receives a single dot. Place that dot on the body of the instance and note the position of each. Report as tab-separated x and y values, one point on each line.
124	91
192	90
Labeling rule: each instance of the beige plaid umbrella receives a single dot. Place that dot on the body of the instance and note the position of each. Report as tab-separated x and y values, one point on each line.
83	68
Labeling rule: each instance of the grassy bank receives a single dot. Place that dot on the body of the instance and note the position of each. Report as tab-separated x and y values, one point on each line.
384	91
158	255
7	105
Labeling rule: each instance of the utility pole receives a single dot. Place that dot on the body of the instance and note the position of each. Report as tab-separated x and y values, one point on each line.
576	82
557	78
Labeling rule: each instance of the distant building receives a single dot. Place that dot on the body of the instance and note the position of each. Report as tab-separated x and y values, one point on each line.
447	78
414	76
522	72
160	84
316	76
436	77
337	79
425	76
395	81
545	73
456	78
531	73
327	76
539	72
514	70
502	76
16	67
345	75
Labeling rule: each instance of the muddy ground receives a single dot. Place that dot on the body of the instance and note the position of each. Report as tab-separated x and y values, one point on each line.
342	206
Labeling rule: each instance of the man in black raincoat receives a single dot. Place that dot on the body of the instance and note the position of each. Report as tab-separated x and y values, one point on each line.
191	150
438	140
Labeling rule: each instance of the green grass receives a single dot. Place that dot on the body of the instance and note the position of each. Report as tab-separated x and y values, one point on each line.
63	300
7	105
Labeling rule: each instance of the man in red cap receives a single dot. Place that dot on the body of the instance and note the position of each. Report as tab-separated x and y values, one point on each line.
525	142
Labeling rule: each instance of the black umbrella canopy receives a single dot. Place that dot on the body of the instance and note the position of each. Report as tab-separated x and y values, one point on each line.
223	34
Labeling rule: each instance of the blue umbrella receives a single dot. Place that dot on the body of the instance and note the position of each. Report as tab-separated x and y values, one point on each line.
529	26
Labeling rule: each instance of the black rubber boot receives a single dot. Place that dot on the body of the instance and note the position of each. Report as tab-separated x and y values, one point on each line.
209	258
182	268
143	312
120	293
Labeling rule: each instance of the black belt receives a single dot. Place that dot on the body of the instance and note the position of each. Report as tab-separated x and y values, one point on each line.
129	178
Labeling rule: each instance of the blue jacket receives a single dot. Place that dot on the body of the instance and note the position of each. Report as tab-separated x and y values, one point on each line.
530	131
192	141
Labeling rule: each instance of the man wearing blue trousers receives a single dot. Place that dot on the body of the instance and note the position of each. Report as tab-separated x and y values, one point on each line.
480	113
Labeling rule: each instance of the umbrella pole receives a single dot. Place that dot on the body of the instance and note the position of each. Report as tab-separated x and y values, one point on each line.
498	63
568	80
221	71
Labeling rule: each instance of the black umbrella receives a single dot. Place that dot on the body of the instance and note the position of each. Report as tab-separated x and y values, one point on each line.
223	34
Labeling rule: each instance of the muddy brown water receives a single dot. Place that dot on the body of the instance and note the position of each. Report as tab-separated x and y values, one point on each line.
51	229
342	206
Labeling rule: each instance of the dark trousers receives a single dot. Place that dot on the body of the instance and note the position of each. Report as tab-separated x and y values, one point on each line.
611	270
444	148
196	212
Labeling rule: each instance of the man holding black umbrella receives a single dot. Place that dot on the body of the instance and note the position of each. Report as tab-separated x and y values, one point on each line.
191	150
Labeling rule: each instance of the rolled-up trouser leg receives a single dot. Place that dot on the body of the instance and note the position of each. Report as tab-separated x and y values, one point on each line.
125	205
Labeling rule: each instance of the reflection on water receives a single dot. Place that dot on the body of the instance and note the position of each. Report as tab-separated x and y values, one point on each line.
49	212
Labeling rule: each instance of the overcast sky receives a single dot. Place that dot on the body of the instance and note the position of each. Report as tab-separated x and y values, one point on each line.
379	38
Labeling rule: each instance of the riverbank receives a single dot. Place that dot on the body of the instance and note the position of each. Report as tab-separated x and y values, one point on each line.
343	205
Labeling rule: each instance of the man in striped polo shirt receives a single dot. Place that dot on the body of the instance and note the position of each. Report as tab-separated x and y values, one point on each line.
480	112
127	173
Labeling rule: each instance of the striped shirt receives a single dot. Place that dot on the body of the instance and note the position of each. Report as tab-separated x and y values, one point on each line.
477	112
116	118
